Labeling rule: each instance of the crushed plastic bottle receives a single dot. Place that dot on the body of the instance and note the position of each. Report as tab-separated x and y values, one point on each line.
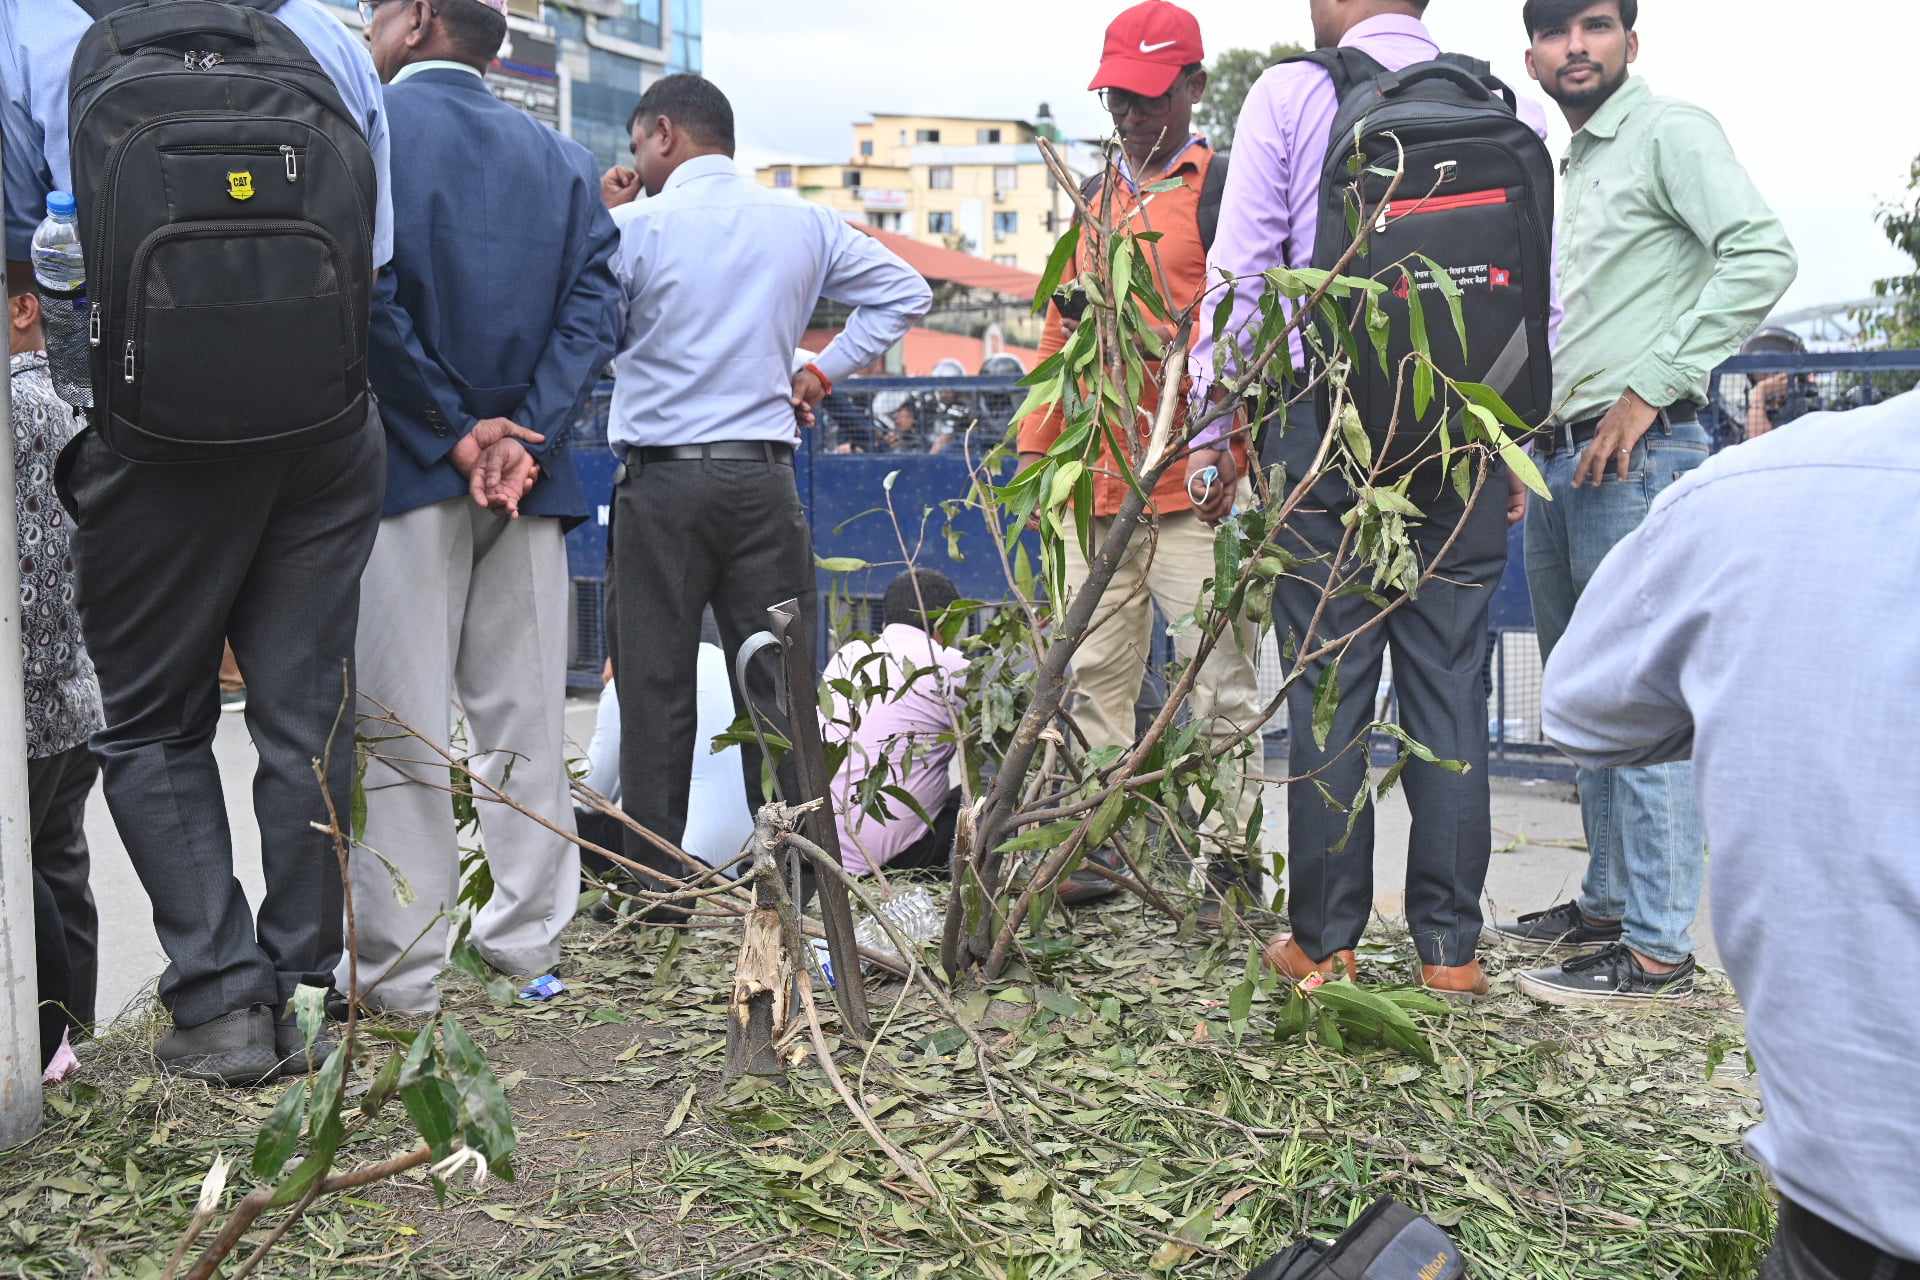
912	911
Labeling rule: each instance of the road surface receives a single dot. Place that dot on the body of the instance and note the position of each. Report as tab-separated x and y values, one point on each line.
1533	826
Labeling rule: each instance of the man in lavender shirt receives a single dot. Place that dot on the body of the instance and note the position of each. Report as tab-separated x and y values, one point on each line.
898	728
1269	218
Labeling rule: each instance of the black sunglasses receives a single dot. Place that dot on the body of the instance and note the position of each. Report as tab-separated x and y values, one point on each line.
1120	101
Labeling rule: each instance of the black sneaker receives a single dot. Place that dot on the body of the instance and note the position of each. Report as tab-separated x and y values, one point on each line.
234	1049
1086	886
1561	928
1610	976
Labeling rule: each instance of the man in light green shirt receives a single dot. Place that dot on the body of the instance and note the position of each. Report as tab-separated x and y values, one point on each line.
1668	259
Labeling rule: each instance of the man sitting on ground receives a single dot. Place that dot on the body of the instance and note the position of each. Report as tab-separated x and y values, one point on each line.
899	729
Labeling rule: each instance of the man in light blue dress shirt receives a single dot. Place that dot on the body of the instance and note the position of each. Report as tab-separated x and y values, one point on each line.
264	550
720	276
1788	671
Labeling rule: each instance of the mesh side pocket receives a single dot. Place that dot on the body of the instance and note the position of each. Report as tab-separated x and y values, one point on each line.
63	316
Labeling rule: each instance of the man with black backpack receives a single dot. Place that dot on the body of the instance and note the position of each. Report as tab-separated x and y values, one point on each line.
1477	199
229	161
1151	77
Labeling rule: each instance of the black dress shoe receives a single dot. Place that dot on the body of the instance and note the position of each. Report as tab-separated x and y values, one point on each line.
1086	886
290	1048
1230	880
234	1049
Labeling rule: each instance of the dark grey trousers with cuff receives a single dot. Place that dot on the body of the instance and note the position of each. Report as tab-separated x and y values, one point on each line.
1439	643
265	552
689	533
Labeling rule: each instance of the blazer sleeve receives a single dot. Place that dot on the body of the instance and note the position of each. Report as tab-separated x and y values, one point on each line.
586	324
432	419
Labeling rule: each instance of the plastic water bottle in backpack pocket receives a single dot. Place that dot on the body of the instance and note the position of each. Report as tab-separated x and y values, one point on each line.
60	272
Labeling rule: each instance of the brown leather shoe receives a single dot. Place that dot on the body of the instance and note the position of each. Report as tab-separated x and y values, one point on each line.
1463	982
1285	957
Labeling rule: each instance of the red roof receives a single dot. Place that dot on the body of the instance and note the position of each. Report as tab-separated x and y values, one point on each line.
950	266
924	348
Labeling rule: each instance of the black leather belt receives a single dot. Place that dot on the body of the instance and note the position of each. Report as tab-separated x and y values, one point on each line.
1563	437
722	450
1839	1250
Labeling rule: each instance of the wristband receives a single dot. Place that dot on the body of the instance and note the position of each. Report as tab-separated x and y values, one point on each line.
826	383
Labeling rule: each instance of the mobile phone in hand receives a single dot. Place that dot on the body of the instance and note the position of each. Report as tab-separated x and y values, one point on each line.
1072	302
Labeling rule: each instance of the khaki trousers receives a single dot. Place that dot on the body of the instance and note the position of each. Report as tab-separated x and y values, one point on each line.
1168	571
464	606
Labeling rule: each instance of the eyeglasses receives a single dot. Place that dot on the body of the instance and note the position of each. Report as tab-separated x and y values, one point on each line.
367	8
1120	101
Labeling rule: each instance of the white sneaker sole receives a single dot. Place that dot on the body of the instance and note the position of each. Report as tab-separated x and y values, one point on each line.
1548	993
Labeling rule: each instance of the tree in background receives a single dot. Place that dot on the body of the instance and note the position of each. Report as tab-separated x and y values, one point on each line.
1897	327
1228	82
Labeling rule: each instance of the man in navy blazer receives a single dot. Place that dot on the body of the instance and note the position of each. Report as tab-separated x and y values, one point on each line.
498	313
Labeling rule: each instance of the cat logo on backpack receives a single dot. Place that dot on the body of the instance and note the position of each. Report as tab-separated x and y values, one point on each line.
240	184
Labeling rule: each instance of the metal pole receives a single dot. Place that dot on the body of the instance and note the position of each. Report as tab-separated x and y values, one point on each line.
19	980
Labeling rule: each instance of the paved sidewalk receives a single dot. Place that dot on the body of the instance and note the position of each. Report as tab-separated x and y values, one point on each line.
1532	868
1539	853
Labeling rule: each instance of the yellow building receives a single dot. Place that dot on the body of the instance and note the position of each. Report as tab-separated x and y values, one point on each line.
965	182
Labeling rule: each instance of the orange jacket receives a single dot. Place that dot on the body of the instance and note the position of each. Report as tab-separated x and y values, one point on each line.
1175	214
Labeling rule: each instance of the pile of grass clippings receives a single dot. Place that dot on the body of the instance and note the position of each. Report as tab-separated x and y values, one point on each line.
1130	1131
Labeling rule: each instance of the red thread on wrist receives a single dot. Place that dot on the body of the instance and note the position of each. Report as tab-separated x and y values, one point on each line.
826	383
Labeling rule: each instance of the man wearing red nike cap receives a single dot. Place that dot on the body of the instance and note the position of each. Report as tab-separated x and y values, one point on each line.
1150	79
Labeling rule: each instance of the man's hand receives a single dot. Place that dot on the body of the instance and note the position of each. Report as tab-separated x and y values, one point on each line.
1765	398
1212	496
808	391
1613	440
506	474
619	185
1516	498
469	453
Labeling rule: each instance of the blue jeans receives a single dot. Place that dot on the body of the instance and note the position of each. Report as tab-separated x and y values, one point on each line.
1645	855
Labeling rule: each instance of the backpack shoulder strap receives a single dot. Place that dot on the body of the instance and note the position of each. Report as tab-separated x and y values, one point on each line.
1349	68
1476	66
1212	191
98	9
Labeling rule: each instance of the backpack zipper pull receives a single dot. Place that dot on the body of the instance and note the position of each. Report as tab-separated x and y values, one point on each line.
93	325
293	164
126	366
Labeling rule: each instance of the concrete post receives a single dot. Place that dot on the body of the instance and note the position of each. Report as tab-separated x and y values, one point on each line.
19	980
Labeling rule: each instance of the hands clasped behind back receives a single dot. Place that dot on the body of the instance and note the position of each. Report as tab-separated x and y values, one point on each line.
494	459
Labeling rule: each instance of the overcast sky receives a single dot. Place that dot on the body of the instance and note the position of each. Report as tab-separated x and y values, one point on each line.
1775	72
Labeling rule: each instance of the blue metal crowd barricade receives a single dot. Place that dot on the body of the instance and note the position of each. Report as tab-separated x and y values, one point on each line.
921	430
918	429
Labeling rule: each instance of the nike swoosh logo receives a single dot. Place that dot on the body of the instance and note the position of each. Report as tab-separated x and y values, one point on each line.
1155	48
